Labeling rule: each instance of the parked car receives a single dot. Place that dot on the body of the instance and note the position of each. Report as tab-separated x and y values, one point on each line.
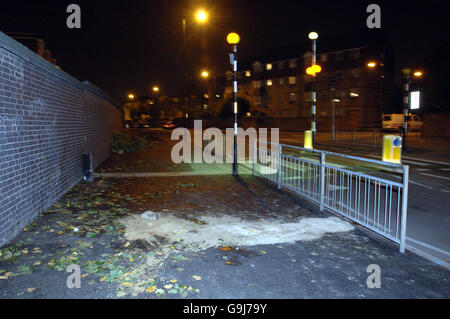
167	124
396	121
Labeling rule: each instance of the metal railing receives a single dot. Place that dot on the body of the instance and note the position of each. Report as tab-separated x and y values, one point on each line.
360	189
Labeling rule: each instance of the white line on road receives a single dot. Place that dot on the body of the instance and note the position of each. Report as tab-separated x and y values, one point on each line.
426	161
435	176
423	169
445	191
415	183
415	163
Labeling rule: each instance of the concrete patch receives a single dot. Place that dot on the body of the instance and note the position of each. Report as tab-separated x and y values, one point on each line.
215	231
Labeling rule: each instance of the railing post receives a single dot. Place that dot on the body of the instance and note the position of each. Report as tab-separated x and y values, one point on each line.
279	166
322	179
404	207
255	156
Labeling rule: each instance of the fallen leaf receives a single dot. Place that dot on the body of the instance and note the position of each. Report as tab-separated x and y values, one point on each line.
151	289
173	280
24	251
102	279
263	252
197	277
31	289
226	248
3	277
127	284
126	244
168	286
37	263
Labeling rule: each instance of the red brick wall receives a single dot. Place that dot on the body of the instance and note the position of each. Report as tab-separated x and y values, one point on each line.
48	120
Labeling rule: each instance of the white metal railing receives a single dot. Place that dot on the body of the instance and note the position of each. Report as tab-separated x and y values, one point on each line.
357	188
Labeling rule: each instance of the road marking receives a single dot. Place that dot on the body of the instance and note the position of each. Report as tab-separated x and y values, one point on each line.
435	176
445	191
423	169
415	163
426	161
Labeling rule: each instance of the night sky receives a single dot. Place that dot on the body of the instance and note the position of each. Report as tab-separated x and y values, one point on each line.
133	45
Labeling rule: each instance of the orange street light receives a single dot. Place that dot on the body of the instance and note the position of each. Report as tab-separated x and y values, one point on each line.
131	96
201	16
205	74
155	89
418	74
372	64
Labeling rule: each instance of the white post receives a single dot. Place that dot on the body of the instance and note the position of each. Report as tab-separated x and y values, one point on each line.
404	207
279	166
322	179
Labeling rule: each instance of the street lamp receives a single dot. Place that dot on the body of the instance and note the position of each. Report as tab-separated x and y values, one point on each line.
201	16
155	89
233	39
313	37
205	74
131	96
372	64
333	128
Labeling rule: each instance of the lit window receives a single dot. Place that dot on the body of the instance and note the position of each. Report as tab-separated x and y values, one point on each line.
292	63
268	66
269	82
248	73
292	80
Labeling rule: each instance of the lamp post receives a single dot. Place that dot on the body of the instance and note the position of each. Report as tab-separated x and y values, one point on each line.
233	39
201	16
313	36
333	128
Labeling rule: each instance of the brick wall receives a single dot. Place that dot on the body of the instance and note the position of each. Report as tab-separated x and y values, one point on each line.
48	119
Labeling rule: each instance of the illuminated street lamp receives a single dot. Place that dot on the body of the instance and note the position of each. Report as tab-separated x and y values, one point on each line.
333	128
313	36
233	39
131	96
372	64
201	16
418	74
205	74
155	89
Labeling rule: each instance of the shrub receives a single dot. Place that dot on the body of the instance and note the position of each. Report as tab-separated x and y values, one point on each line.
124	142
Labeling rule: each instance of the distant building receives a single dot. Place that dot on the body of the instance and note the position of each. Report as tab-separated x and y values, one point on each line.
277	85
35	44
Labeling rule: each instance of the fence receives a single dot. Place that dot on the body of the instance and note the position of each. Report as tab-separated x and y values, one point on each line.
357	188
368	137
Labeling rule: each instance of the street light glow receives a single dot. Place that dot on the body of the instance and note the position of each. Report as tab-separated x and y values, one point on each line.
205	74
201	16
418	74
371	64
155	88
313	35
233	38
131	96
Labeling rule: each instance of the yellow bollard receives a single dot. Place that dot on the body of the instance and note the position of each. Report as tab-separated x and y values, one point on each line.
308	139
392	148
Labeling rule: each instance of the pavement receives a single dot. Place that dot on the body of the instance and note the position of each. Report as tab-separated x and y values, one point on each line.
213	236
